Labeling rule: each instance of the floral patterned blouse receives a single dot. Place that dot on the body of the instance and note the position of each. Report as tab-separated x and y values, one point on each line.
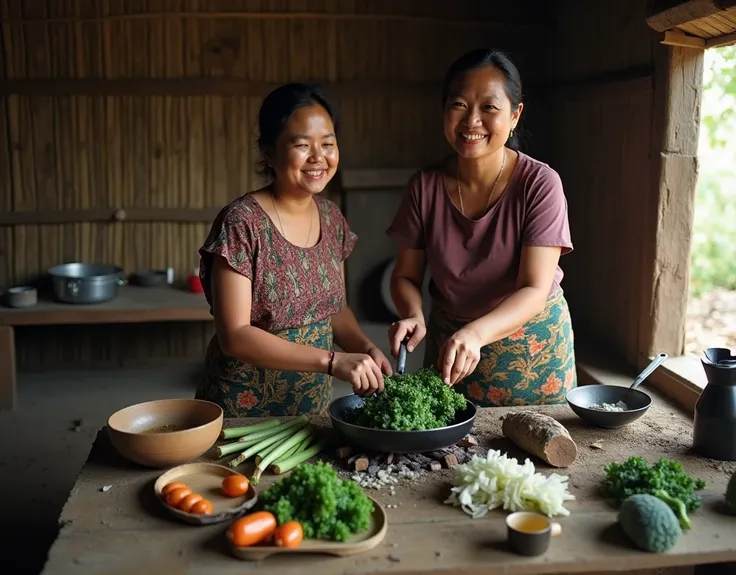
292	286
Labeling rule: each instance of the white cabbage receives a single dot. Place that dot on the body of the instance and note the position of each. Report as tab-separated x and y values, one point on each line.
486	483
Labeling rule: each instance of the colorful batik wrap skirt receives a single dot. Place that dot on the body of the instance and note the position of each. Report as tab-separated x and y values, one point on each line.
533	366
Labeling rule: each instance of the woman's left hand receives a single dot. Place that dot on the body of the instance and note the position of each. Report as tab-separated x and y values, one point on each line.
459	356
381	360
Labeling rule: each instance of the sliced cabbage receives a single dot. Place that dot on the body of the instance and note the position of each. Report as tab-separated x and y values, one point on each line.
486	483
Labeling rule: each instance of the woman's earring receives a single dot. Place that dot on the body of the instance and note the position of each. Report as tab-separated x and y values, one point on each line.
511	135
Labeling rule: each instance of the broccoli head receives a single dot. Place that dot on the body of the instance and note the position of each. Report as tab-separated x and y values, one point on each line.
649	523
731	492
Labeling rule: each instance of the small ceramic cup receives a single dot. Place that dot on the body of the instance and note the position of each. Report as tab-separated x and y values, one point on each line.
529	533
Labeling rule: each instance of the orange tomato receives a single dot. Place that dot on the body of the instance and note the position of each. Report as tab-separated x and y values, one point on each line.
235	485
203	507
188	502
169	487
290	534
252	529
174	497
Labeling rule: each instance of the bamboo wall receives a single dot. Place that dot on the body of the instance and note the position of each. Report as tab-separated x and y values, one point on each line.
601	143
150	106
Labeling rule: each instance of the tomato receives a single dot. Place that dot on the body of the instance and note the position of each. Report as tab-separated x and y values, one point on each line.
252	529
235	485
188	502
203	507
290	534
169	487
174	497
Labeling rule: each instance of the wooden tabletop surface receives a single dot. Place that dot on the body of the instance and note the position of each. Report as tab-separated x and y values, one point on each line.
125	529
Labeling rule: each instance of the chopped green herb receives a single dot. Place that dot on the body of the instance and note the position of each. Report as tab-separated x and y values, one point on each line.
326	506
412	401
666	480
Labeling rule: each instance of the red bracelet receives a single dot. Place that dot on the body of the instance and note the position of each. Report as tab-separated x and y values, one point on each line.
329	365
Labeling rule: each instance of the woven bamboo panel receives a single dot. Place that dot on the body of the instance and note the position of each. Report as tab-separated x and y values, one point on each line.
114	104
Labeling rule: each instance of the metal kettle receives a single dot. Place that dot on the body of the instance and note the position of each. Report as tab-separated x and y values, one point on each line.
714	431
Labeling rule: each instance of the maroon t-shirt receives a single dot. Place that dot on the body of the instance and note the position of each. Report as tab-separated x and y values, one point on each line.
474	263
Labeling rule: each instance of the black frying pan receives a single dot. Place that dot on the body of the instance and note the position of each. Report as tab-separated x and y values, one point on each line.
393	441
581	398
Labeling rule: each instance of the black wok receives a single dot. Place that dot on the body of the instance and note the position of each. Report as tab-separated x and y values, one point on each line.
395	441
638	402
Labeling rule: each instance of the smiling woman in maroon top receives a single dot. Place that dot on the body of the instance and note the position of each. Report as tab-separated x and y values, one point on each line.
490	223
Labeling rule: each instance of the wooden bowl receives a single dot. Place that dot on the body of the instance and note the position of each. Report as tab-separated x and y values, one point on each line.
165	432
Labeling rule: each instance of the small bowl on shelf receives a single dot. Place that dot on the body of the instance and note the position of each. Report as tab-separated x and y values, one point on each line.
165	432
21	296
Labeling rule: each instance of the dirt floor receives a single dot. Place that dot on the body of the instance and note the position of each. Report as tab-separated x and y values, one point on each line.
711	321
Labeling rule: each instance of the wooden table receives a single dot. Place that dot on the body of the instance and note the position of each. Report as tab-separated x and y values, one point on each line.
125	530
133	304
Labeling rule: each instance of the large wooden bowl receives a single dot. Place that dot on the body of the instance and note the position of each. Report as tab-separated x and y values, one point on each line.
165	432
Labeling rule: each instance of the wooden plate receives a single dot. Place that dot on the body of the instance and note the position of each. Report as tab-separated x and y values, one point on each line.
206	479
358	543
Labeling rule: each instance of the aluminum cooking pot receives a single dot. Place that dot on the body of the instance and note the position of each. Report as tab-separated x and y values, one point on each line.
86	283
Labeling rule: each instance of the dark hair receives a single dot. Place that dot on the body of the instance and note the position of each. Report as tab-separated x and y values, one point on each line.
480	58
275	111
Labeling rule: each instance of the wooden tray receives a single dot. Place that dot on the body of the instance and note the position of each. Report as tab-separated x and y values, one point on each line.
206	479
358	543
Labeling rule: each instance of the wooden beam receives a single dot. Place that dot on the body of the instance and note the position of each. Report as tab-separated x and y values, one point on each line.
181	215
608	85
195	86
679	38
358	90
663	15
8	386
509	27
719	41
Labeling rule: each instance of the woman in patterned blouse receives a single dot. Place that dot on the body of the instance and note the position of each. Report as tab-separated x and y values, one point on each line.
272	269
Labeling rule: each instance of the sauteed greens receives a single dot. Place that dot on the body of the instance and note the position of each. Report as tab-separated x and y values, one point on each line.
409	402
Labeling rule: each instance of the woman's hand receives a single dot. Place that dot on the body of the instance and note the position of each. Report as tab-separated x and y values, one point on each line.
412	328
459	356
381	361
359	370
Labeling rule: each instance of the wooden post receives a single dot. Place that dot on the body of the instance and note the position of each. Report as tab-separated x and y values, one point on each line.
7	368
666	251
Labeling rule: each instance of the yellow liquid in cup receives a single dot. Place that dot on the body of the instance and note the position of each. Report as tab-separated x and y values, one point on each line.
530	524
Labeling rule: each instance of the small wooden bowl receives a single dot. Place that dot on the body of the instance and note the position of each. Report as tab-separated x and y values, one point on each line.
206	480
358	543
165	432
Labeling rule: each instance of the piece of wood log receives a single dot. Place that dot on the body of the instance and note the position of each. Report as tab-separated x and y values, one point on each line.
352	459
542	436
467	441
449	460
345	451
361	464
